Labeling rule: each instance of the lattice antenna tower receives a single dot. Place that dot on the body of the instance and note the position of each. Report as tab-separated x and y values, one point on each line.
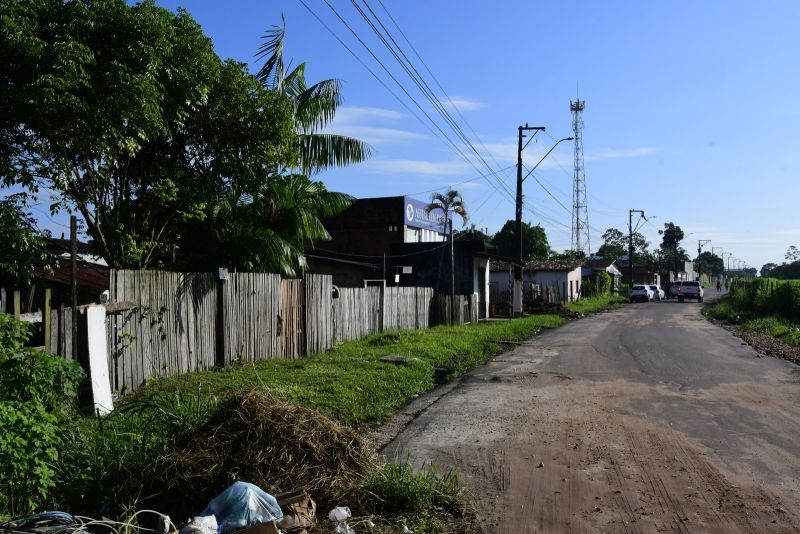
580	211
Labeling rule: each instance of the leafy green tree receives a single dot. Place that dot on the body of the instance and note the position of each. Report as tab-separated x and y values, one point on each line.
314	107
268	229
615	245
473	234
534	241
792	254
709	263
568	255
767	268
671	250
131	118
22	245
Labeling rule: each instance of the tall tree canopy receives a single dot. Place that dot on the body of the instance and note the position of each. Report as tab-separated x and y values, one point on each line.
534	241
709	263
130	118
615	245
671	251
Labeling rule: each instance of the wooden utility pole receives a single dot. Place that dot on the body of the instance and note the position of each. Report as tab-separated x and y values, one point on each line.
73	281
630	245
452	277
517	289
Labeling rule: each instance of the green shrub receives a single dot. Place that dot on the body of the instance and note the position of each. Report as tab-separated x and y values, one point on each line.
29	444
603	283
399	488
37	393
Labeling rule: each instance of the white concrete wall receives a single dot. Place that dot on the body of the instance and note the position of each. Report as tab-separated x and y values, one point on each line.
563	279
481	266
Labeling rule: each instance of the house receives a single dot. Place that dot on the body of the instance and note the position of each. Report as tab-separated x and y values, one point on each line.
395	241
592	267
562	278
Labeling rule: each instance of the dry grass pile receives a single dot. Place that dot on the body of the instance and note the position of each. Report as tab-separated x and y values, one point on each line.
261	439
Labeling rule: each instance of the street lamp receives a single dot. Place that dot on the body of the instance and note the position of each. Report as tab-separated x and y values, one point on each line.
521	179
517	301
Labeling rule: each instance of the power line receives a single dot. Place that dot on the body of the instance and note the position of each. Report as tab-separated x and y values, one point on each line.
400	85
396	51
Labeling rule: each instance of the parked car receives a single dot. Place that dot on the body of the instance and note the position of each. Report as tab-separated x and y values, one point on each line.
691	290
658	293
641	293
675	289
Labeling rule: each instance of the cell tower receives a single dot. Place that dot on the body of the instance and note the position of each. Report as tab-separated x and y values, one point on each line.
580	213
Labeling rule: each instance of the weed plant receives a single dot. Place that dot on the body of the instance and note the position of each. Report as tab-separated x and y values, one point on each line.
593	304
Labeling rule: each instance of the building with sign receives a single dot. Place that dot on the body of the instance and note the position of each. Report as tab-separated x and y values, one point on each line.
394	240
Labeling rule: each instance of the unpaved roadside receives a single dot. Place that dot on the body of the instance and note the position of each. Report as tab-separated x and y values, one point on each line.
594	429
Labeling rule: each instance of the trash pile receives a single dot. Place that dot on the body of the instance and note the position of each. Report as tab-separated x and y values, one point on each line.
273	444
243	508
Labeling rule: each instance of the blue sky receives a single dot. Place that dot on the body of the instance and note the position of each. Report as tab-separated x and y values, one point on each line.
690	107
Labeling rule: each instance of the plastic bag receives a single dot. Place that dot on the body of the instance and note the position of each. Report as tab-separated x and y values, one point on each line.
339	516
243	505
205	524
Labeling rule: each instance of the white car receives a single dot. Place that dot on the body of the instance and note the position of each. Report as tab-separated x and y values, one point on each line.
641	293
658	293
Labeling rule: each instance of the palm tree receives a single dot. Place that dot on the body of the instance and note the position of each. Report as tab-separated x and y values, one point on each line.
314	108
449	203
265	230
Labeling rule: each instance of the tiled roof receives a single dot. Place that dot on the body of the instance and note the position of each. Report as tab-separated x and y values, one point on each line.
545	265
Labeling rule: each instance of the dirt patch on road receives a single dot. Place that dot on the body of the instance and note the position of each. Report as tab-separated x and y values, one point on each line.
572	458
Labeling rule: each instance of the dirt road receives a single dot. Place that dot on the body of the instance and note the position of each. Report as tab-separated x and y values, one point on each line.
642	419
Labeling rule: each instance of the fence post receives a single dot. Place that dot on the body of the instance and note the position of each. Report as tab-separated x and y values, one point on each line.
46	319
219	355
17	304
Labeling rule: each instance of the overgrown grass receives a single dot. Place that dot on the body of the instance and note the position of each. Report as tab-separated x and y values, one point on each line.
764	305
351	384
593	304
108	467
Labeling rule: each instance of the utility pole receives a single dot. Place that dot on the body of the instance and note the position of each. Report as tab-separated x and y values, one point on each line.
700	243
518	220
73	282
630	244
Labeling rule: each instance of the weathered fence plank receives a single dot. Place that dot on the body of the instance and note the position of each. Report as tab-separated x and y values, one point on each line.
318	303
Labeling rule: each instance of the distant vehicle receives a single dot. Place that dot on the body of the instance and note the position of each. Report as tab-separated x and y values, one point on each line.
691	290
675	289
641	293
658	293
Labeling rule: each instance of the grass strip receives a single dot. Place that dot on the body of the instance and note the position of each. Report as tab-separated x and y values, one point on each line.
351	384
595	304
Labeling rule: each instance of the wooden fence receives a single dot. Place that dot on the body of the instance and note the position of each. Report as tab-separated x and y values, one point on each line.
182	322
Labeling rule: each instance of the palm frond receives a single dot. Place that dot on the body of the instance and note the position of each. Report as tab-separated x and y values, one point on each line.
294	83
316	106
271	73
322	151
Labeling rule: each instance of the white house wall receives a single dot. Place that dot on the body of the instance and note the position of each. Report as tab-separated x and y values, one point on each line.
481	266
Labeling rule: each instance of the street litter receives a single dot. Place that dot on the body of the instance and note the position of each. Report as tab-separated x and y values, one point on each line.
55	522
339	516
243	505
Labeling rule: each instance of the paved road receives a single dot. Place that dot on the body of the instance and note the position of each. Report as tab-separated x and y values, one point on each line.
642	419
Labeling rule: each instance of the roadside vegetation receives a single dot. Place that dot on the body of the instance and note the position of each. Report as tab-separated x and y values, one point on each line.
765	312
281	424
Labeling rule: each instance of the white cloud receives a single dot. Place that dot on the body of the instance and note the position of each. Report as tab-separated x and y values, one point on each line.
411	166
365	123
375	135
461	103
357	114
619	153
